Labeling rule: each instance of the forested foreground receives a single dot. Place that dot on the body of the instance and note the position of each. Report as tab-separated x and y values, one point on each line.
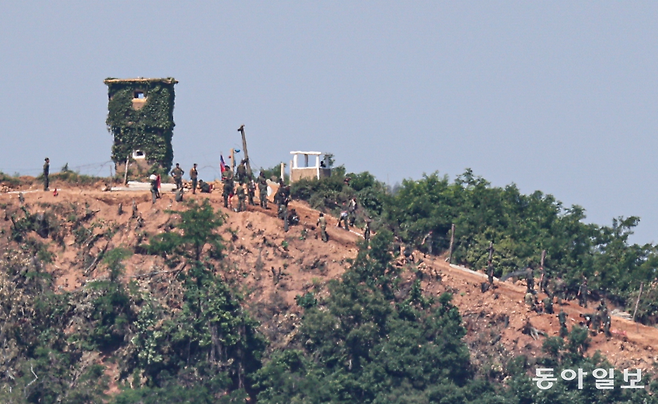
367	341
520	226
368	337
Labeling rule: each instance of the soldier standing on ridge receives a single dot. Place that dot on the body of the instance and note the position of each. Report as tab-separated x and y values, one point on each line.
194	174
322	222
262	188
559	290
154	188
582	293
251	191
548	305
242	171
178	173
427	242
606	325
284	213
562	317
366	230
241	197
227	177
351	210
46	172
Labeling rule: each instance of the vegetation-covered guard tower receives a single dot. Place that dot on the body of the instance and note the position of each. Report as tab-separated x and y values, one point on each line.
141	119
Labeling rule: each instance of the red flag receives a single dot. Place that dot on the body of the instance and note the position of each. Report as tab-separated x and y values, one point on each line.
222	165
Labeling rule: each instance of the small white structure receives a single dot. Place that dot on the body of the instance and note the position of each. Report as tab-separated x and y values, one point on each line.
138	155
300	168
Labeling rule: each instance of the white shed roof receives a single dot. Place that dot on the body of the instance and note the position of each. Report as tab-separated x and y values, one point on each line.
311	153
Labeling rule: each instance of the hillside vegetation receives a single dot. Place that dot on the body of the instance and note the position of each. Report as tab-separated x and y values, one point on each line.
172	312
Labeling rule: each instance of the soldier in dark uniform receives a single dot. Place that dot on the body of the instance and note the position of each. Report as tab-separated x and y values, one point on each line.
548	305
251	191
606	325
178	173
563	324
46	172
588	317
241	198
428	243
366	230
322	222
559	290
529	300
602	315
228	192
284	213
227	174
582	293
284	191
293	217
262	188
603	309
194	174
596	323
241	171
204	187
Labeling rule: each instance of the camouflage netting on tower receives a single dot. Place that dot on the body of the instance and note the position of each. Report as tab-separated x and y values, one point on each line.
140	117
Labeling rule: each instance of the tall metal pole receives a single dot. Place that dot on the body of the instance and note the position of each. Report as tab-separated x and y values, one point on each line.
244	147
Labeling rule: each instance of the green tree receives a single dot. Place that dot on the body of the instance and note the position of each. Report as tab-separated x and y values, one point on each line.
197	228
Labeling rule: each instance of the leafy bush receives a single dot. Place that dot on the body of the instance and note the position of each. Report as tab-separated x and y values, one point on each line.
197	227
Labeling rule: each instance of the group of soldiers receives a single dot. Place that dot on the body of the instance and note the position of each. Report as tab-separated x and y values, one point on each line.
598	321
245	189
348	216
595	322
244	186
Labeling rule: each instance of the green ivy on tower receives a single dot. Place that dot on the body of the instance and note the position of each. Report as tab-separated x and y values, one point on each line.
149	128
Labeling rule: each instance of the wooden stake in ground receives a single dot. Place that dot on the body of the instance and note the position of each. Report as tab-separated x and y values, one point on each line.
125	176
542	278
637	303
452	242
232	161
244	147
490	263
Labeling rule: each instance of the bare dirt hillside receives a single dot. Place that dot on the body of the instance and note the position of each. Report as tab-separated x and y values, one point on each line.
275	267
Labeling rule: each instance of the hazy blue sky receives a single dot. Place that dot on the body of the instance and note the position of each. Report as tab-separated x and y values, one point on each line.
555	96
